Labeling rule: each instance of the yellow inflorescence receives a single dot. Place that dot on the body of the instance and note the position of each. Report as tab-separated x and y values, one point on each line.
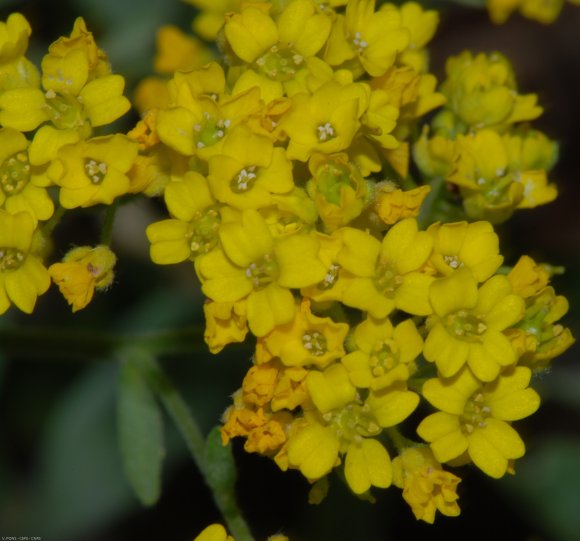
286	179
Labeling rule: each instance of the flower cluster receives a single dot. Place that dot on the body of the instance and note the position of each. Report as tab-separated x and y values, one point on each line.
49	153
287	172
286	175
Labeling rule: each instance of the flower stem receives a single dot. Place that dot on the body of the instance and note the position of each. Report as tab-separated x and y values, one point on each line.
107	231
194	439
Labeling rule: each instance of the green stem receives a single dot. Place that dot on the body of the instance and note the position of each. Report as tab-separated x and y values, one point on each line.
195	441
399	441
107	231
49	226
425	217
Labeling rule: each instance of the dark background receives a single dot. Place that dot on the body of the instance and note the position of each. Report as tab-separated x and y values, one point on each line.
60	468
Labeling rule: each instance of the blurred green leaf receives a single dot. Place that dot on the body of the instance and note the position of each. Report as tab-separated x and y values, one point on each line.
140	430
221	469
547	485
81	482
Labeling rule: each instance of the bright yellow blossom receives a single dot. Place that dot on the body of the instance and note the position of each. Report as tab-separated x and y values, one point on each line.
252	264
214	532
93	171
326	121
462	245
384	354
248	170
393	204
83	270
276	50
347	426
15	69
225	322
527	277
22	185
308	340
481	92
22	275
372	37
427	487
381	276
467	324
475	418
194	226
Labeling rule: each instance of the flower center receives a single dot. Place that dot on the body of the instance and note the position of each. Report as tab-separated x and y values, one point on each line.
384	357
210	130
353	422
386	279
475	413
280	64
15	173
10	259
64	111
453	261
244	180
359	43
262	272
331	178
203	232
315	343
465	326
329	278
325	132
95	171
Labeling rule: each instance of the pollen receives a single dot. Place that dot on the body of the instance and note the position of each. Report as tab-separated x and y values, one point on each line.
325	132
95	171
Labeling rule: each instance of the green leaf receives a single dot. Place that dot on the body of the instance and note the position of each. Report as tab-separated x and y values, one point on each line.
80	485
220	466
140	429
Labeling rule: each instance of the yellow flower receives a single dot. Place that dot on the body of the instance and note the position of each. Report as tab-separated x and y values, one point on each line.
326	121
422	25
307	340
427	488
225	323
467	324
276	51
79	91
252	264
194	226
93	171
337	188
83	270
248	170
22	185
481	92
527	277
543	337
373	38
379	277
435	156
347	426
15	69
459	245
393	204
383	354
22	275
214	532
178	51
197	124
475	418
